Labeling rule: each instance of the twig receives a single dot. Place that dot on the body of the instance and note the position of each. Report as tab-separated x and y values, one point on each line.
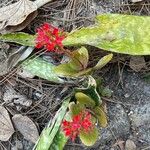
146	148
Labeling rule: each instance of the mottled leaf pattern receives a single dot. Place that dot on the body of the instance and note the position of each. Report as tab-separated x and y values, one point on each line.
19	38
41	68
52	135
125	34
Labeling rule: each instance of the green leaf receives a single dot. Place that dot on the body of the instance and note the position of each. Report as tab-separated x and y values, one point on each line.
80	59
49	134
41	68
84	99
75	109
103	61
91	91
78	62
19	38
43	142
59	141
125	34
101	116
89	138
106	92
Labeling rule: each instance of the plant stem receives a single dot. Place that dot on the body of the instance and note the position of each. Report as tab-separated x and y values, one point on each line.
40	3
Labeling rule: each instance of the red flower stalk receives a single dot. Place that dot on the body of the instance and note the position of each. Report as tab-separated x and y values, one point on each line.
79	122
50	37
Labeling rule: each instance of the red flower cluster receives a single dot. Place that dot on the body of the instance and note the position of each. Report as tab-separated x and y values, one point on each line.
50	37
82	121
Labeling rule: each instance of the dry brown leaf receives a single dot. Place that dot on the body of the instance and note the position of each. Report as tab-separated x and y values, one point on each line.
130	145
6	127
15	14
137	63
26	22
13	98
26	127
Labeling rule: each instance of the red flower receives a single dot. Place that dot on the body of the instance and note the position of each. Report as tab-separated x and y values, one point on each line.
82	121
50	37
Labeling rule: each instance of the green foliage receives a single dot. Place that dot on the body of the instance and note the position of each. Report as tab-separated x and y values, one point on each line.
19	38
84	99
89	138
101	116
78	62
52	137
75	109
41	68
59	141
106	92
89	97
91	91
103	61
125	34
118	33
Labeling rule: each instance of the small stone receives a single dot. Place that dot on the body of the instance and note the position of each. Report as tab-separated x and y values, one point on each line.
130	113
37	95
130	145
127	95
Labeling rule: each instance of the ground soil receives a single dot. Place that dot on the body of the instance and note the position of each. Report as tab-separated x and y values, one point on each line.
128	108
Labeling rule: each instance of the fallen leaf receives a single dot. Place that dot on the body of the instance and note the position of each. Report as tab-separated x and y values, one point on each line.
10	60
11	97
6	127
19	27
26	127
15	14
19	55
130	145
137	63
